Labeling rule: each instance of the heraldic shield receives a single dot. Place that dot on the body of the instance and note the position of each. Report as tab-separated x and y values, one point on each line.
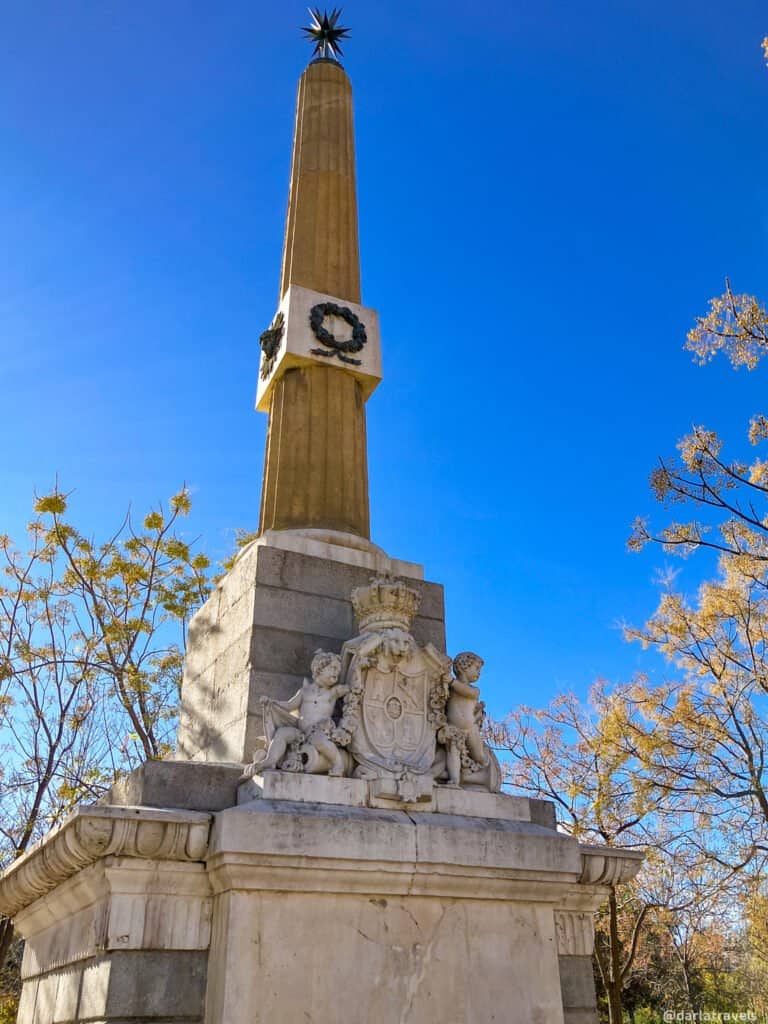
400	703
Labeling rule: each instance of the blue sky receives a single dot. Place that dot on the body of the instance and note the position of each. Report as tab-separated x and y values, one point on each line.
549	193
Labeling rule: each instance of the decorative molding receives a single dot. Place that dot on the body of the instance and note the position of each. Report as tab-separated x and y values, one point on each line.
575	933
602	865
91	833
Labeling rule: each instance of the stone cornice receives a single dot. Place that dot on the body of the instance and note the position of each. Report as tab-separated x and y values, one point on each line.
388	878
90	833
604	865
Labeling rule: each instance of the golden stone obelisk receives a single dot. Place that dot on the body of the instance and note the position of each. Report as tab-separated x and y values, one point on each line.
316	467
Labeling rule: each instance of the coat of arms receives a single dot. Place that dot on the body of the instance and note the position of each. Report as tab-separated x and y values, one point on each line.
388	709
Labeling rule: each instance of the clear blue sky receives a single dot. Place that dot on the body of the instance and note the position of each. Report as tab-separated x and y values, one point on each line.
549	193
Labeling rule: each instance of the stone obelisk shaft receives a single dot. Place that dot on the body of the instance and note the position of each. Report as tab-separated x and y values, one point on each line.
316	467
321	247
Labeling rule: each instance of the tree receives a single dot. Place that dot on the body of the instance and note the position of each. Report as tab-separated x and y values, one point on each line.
571	753
91	649
10	983
654	936
736	325
703	738
705	735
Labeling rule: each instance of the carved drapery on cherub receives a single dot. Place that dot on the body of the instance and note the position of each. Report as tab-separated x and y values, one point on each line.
386	709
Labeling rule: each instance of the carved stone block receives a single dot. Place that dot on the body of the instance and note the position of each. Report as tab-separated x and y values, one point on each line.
256	636
320	329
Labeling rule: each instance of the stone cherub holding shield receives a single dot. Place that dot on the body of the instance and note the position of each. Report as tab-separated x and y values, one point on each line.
312	724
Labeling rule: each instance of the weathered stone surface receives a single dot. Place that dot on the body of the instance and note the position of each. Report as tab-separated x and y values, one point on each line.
304	789
388	851
116	935
577	982
89	834
192	785
417	917
152	985
291	570
330	957
346	548
321	789
476	804
543	813
402	915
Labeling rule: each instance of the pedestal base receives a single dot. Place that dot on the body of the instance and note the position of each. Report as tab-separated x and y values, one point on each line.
290	910
327	915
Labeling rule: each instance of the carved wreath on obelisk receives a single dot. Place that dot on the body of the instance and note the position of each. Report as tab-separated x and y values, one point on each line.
270	344
386	708
337	346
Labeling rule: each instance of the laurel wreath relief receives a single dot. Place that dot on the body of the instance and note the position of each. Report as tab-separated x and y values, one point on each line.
337	346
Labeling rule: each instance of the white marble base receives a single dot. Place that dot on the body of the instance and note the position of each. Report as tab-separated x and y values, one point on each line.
330	913
322	789
292	909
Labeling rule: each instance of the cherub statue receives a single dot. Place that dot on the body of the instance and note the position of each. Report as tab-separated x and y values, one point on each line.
314	725
462	736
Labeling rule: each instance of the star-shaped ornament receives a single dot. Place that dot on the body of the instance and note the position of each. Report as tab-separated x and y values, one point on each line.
325	33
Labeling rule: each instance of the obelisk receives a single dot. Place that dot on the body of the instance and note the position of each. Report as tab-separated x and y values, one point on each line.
379	884
315	469
288	593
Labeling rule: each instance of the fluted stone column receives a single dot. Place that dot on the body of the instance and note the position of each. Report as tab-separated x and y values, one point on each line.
321	247
316	463
315	470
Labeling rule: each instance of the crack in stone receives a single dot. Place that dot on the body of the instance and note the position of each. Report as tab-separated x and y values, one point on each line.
416	978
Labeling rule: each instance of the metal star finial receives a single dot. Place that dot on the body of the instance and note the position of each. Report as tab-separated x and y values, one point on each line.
326	34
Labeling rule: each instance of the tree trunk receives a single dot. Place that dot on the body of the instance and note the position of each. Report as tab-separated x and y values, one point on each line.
6	938
614	982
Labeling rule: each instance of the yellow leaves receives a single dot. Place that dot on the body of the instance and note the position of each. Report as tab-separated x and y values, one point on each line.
177	549
53	504
682	538
172	661
182	502
758	473
698	447
153	521
639	536
764	44
661	483
758	429
131	573
736	325
93	627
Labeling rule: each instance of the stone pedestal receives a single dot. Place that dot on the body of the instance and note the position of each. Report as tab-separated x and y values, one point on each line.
202	893
115	907
307	903
287	595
